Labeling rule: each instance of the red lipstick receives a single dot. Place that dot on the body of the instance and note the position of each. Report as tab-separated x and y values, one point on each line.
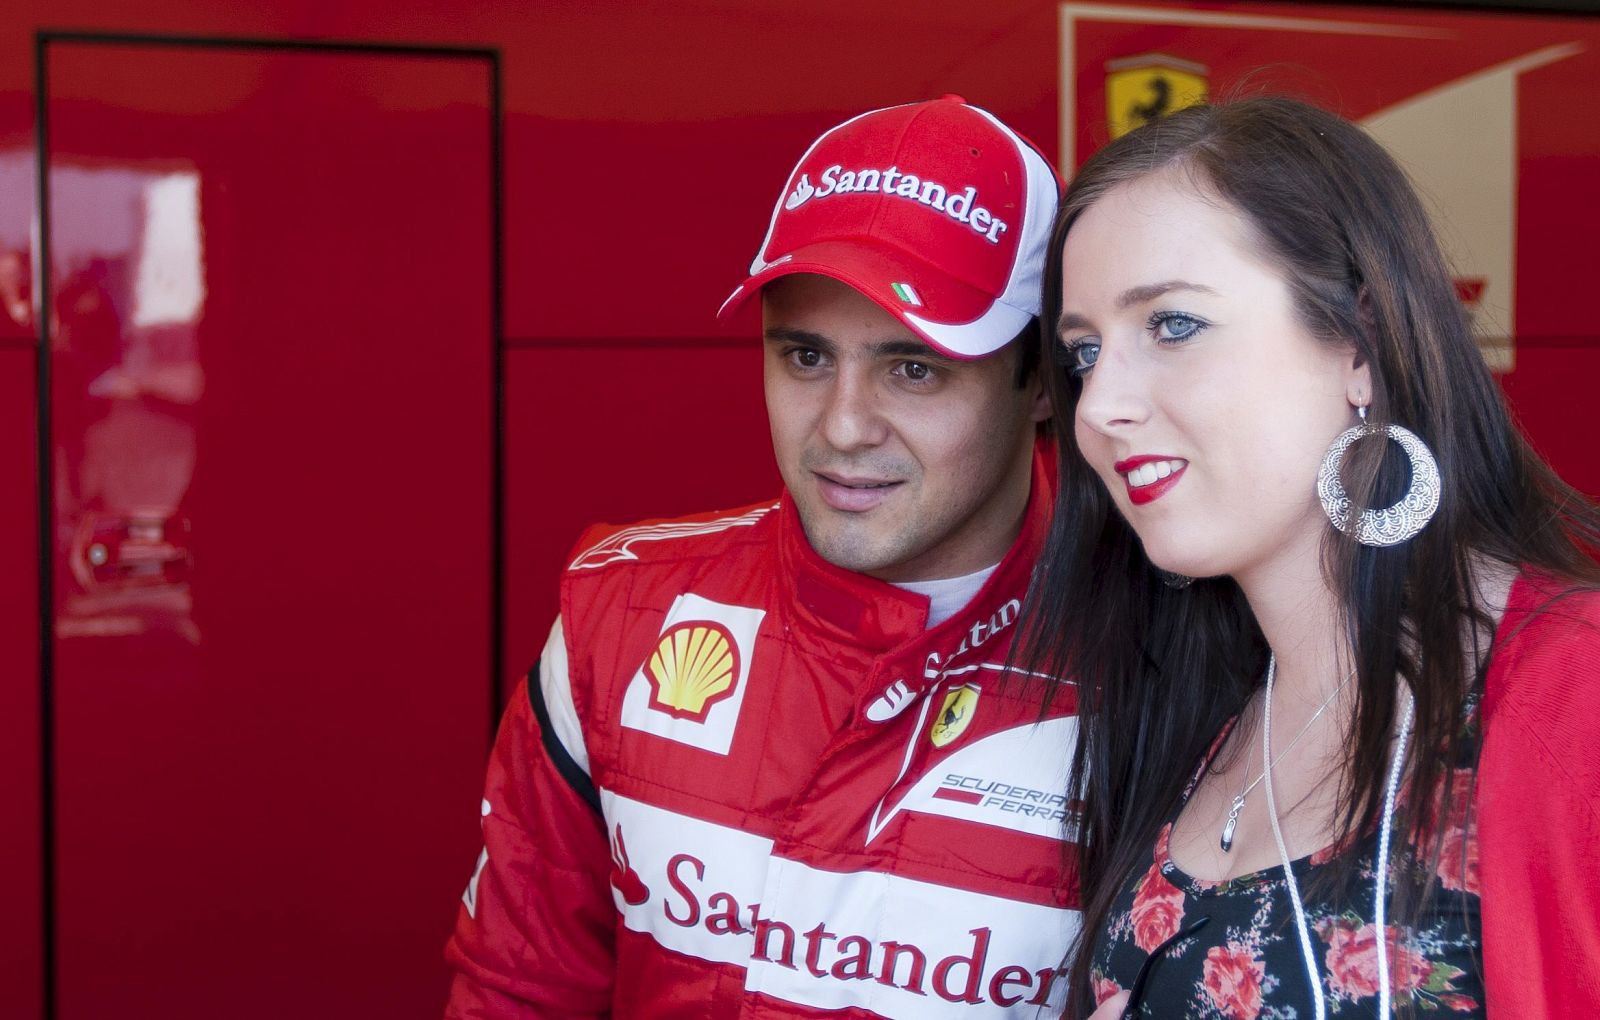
1155	489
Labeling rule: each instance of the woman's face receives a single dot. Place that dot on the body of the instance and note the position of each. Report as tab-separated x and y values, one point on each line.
1207	406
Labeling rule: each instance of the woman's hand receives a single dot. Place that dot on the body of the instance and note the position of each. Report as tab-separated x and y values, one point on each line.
1112	1008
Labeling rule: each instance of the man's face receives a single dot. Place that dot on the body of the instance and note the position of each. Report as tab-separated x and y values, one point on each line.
905	464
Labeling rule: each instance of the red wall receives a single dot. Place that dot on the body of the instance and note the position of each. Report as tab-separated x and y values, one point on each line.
266	750
643	144
20	837
641	149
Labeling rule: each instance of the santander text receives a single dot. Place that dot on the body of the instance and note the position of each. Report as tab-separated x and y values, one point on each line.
961	206
965	976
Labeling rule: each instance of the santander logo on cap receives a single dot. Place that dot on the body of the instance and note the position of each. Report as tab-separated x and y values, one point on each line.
937	211
961	207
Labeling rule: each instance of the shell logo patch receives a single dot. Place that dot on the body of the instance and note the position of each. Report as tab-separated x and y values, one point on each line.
694	666
954	715
692	682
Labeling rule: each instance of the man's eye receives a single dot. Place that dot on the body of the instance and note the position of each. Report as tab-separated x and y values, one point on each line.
806	358
916	371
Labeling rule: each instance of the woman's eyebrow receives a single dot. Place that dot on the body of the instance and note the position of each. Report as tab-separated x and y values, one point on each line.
1149	291
1133	296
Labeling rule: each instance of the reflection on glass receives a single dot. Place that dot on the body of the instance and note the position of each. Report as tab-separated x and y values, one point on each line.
128	254
170	288
16	242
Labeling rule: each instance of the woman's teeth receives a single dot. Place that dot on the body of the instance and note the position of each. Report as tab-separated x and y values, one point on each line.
1144	474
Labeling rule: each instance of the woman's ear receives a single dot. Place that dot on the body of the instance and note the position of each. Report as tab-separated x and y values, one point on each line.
1357	379
1358	371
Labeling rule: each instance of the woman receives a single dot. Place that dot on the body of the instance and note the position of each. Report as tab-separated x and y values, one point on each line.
1310	720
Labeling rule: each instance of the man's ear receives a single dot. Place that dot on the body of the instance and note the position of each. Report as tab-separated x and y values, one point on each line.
1043	408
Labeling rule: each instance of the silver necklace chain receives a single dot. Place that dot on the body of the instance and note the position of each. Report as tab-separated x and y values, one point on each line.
1380	887
1237	806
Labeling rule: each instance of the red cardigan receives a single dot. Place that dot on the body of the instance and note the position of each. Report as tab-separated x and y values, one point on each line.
1538	807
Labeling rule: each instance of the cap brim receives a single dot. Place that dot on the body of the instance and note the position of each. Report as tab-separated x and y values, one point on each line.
873	269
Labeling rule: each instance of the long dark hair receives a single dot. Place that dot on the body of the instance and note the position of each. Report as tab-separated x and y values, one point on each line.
1160	670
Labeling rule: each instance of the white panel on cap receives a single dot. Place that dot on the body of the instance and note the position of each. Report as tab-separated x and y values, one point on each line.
1027	272
1019	301
975	339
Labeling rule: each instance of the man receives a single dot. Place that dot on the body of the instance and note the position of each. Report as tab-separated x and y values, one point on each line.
771	762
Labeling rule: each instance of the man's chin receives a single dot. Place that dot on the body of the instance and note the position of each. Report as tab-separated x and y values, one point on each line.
853	546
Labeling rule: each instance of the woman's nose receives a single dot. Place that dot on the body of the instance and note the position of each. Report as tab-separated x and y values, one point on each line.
1116	392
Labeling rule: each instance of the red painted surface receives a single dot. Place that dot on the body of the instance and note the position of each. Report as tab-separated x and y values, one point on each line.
619	433
272	373
20	835
317	514
643	141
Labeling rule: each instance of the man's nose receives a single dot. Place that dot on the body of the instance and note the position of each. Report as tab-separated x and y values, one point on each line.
853	417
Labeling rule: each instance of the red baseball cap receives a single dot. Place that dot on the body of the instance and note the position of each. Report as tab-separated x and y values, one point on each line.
936	211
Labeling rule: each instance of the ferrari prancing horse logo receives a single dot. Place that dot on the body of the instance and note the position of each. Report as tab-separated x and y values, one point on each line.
1148	87
954	715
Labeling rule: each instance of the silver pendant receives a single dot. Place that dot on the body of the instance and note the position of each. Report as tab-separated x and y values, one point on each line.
1231	824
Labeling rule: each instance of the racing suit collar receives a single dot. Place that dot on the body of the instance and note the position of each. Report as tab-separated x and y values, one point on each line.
881	618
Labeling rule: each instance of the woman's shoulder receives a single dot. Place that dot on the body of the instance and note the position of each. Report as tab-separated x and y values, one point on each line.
1541	698
1537	802
1549	624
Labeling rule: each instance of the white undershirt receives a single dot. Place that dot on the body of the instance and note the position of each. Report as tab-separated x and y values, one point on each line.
949	595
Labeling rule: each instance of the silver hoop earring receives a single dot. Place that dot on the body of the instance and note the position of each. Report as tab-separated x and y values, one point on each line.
1390	525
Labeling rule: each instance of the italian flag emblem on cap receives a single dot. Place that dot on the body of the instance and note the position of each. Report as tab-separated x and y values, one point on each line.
905	292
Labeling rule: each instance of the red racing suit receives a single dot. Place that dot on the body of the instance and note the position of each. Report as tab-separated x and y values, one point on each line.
746	783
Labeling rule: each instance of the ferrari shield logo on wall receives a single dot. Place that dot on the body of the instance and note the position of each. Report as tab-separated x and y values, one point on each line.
1146	88
954	715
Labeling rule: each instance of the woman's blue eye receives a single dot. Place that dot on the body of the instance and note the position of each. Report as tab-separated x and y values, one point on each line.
1081	356
1170	327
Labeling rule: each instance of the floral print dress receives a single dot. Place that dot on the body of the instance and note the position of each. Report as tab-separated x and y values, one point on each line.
1247	963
